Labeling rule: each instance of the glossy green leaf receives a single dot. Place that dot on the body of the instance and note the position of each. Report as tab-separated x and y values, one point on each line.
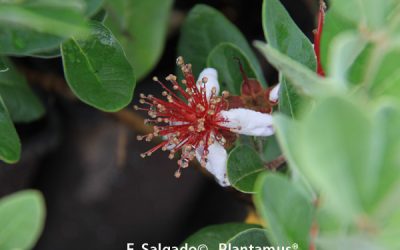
10	146
244	165
28	27
282	33
206	28
288	212
141	27
214	235
22	218
224	59
97	70
255	237
21	102
305	80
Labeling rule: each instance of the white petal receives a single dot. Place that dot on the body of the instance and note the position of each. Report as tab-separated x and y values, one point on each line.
248	122
216	162
274	94
212	80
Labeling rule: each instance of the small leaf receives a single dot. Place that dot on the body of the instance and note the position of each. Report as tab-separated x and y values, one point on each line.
97	70
288	212
31	27
255	237
244	165
214	235
282	33
206	28
141	28
223	59
305	80
21	102
10	146
22	218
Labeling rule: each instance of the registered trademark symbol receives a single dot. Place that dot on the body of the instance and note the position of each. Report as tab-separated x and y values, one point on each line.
295	246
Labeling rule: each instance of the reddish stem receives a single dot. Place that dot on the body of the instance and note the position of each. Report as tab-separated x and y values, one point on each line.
317	37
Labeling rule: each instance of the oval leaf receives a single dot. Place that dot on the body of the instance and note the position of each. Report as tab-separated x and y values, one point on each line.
97	70
22	218
214	235
206	28
10	146
244	165
283	34
288	212
21	102
28	27
224	59
141	27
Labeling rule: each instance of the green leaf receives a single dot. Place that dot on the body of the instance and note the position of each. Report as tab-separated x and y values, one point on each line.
93	6
97	70
306	81
28	27
282	33
288	212
10	146
214	235
223	59
21	102
345	49
334	25
22	218
386	80
244	165
365	164
255	237
206	28
141	27
3	66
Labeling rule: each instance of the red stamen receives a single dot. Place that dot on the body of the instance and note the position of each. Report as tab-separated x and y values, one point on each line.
189	122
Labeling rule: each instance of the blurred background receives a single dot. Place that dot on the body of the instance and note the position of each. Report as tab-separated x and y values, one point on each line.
99	192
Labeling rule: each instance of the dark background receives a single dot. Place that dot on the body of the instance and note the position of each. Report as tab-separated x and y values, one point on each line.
99	193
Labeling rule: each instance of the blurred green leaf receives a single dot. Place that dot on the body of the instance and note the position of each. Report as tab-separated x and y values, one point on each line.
365	164
386	80
345	49
28	27
223	59
282	33
214	235
244	165
97	70
334	25
10	146
306	81
22	218
21	102
3	66
206	28
141	27
100	16
93	6
255	237
287	211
